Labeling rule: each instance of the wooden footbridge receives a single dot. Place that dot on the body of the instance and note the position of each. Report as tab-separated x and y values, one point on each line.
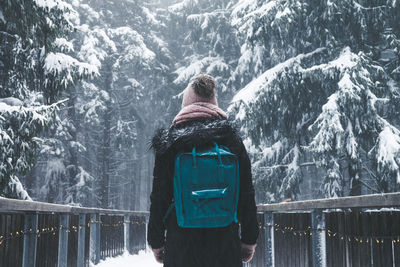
42	234
359	231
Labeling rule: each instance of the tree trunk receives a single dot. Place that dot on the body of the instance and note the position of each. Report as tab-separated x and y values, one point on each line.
106	145
72	169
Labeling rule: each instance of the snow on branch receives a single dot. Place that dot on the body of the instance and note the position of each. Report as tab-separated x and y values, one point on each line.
329	125
133	45
388	150
196	66
64	45
16	189
245	12
183	5
50	4
249	93
19	127
67	67
204	19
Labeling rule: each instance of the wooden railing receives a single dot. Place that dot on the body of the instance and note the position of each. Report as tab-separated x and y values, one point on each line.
42	234
352	231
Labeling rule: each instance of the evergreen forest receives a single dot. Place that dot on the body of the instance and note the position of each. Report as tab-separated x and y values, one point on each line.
313	86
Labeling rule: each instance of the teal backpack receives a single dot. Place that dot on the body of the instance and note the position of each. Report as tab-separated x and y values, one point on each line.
206	188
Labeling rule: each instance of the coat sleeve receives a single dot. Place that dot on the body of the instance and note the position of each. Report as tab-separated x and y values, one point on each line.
160	199
247	209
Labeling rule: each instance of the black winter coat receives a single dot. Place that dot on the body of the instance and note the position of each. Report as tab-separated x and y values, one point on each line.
199	247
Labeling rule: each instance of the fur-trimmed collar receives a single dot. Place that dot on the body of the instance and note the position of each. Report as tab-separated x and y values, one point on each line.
194	132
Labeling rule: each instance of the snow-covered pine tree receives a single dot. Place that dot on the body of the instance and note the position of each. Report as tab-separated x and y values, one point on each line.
327	99
19	128
34	72
112	108
67	179
202	39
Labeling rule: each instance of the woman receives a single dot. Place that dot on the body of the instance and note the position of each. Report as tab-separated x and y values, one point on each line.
199	123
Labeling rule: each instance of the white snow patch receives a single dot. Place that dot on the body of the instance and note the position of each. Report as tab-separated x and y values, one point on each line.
83	177
46	3
273	151
330	126
142	260
196	66
10	104
250	147
245	12
182	5
259	13
135	46
50	4
244	6
64	45
217	65
351	144
241	115
134	83
394	87
388	154
18	188
347	87
90	51
249	92
92	15
245	59
346	60
286	12
382	210
109	44
150	16
58	62
160	42
204	19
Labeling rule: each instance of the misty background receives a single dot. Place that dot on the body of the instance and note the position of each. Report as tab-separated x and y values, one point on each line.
313	86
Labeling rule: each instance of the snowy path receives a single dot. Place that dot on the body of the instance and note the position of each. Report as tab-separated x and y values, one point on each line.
144	259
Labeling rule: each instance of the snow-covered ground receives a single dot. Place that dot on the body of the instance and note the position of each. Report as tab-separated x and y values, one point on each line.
144	259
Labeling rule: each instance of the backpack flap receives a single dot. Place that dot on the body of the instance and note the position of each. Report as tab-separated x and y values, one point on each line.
209	193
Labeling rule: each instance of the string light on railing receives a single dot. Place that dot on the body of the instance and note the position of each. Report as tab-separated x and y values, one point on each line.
332	234
74	228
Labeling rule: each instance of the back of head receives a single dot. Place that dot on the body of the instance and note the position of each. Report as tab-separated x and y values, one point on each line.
200	100
204	85
202	88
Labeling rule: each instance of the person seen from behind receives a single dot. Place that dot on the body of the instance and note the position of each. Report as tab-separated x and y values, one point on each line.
182	242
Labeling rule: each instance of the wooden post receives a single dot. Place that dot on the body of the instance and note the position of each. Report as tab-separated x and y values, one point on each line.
269	239
30	240
81	240
98	249
127	241
318	238
63	240
94	251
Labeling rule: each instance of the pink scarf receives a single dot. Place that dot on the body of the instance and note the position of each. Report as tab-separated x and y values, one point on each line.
199	110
